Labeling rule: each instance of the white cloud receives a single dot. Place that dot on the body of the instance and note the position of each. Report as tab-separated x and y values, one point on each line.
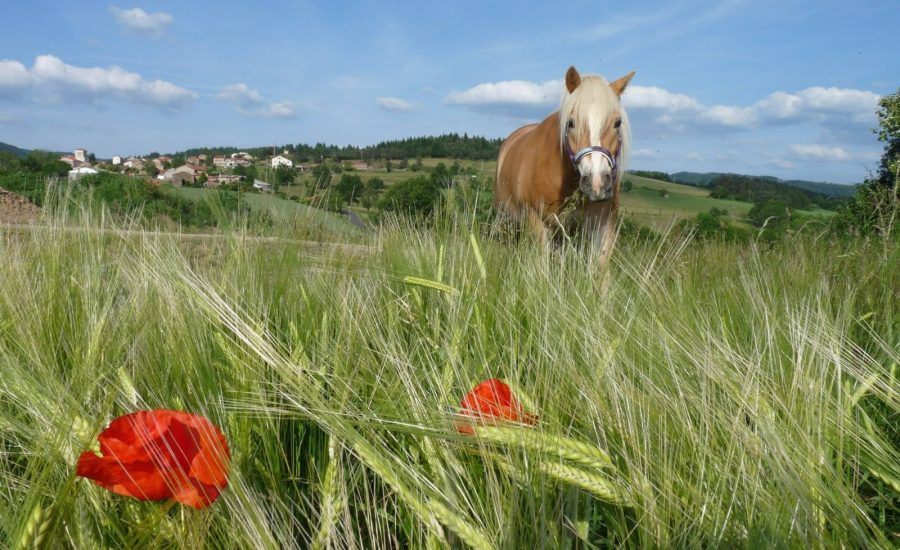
248	101
137	21
815	105
241	95
52	80
395	105
652	97
727	115
282	109
509	93
819	152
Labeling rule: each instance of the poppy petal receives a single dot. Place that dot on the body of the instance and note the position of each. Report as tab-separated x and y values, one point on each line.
140	480
210	465
158	454
196	495
489	401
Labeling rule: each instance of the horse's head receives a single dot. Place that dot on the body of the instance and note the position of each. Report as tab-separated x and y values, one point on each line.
594	132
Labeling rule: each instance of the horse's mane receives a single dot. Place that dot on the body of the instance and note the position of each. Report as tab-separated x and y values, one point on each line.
594	102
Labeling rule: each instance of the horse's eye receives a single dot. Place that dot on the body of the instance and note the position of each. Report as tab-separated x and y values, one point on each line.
571	123
618	123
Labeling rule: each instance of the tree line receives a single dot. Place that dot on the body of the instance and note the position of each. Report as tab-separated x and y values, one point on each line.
450	145
759	189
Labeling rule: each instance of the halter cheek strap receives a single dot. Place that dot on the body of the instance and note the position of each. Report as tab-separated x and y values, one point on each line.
599	149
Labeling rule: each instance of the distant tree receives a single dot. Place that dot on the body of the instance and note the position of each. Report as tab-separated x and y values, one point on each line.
440	175
55	168
321	176
388	166
404	164
375	184
151	169
415	196
627	186
284	175
92	158
875	207
770	213
9	162
349	188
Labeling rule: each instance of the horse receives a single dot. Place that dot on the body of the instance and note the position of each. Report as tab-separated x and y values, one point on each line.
583	147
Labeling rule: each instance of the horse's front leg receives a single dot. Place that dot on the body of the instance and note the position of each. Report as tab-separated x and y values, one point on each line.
537	226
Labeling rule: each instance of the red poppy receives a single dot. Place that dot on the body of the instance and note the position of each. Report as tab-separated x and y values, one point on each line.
490	401
160	454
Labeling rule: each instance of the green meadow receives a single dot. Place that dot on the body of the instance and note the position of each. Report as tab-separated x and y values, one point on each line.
696	394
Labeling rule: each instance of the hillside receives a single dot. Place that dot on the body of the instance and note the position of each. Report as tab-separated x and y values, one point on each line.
18	151
657	203
704	179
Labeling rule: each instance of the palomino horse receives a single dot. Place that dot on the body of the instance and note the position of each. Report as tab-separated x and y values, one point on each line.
581	147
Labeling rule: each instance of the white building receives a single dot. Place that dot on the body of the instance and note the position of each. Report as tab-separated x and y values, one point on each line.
282	160
80	172
81	155
262	185
116	160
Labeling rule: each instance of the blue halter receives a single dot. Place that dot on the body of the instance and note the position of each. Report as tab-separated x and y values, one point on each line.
581	153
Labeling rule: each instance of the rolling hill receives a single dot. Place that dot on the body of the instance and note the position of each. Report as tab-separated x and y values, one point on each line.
18	151
703	179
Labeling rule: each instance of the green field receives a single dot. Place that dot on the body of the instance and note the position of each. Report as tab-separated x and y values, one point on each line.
283	211
703	394
644	204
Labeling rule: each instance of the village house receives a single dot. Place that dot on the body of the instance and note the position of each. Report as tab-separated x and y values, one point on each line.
81	155
282	160
116	160
262	185
68	159
221	179
134	163
81	171
178	176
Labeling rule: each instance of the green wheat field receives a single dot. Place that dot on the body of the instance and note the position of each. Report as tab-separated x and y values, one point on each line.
694	395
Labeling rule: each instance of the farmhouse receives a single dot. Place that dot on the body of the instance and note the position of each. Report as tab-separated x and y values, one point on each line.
134	163
179	176
81	171
116	160
282	160
221	179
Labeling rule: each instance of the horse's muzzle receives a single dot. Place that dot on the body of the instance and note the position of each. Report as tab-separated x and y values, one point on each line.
604	194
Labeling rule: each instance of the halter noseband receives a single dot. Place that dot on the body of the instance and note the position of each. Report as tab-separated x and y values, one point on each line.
581	153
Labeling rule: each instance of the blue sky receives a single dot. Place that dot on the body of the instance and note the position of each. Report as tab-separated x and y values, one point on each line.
760	87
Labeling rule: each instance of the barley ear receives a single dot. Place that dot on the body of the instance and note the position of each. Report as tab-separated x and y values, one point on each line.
35	533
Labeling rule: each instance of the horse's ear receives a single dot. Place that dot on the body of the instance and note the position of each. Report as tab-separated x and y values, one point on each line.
619	85
573	79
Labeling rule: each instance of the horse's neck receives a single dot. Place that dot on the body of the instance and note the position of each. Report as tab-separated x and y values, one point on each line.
549	129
